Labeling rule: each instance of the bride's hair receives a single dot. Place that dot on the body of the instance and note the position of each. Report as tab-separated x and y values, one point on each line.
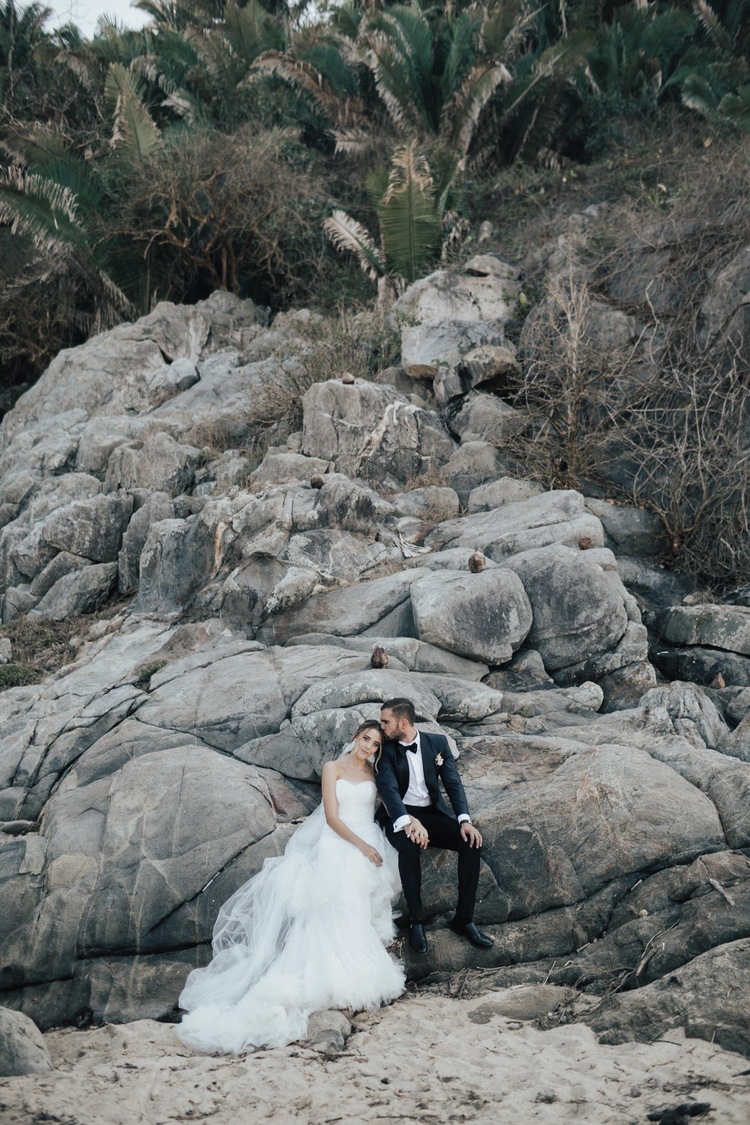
371	724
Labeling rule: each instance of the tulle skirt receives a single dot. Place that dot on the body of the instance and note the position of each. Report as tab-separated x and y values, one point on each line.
307	933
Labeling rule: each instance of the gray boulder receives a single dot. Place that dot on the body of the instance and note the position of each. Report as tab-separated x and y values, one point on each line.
22	1047
553	517
576	610
101	435
724	315
432	503
91	528
725	627
158	506
449	313
82	591
498	493
471	465
484	616
177	559
485	417
278	465
630	531
158	463
701	665
381	606
372	431
706	998
737	743
57	568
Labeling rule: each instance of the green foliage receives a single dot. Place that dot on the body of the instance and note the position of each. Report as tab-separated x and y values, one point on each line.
146	671
17	675
410	224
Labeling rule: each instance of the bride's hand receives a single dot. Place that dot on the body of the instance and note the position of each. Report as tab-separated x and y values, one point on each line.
372	854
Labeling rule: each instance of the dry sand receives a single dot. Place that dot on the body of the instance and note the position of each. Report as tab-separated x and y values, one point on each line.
424	1059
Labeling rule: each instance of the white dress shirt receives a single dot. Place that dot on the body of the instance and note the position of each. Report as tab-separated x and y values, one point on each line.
417	793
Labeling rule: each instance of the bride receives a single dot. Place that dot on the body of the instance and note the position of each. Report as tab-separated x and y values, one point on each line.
309	930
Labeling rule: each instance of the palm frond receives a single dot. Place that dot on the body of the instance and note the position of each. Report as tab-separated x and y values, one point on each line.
307	79
715	29
463	113
347	234
44	211
409	221
135	135
736	107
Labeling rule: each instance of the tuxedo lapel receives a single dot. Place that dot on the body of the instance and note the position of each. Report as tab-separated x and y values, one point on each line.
402	769
428	765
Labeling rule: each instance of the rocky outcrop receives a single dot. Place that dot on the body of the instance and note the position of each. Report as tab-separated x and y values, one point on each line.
144	781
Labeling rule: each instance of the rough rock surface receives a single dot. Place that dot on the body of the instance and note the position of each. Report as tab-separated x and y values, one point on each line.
147	778
22	1048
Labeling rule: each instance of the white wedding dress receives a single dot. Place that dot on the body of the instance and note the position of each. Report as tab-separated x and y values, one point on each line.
307	932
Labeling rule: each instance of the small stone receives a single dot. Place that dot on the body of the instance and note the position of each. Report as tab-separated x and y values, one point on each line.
347	377
316	481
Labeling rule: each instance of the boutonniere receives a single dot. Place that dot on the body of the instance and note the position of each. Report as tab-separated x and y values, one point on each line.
438	760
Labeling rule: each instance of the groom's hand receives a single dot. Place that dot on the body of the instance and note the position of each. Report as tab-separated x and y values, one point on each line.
471	834
417	833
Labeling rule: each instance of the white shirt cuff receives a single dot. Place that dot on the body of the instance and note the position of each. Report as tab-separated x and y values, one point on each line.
401	823
464	818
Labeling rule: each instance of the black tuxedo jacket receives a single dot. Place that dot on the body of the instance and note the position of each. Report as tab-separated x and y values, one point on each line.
392	777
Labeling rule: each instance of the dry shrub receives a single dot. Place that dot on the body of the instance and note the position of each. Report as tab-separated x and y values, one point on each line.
662	423
577	395
240	212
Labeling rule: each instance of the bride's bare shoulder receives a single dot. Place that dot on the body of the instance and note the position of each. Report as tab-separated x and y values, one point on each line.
331	769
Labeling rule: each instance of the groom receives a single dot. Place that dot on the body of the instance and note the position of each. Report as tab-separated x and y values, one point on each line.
415	816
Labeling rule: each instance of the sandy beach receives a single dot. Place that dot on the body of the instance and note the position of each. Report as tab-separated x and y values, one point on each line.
426	1058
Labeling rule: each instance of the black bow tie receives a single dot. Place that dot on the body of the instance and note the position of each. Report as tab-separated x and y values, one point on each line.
411	747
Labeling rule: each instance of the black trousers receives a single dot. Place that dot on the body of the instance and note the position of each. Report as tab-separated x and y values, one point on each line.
444	832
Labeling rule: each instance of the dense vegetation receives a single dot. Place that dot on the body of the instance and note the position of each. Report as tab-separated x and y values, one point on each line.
234	145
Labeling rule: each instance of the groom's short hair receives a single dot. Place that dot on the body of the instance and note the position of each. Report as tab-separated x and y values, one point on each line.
401	709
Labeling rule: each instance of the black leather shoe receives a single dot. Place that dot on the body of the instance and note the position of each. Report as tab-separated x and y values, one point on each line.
469	931
417	939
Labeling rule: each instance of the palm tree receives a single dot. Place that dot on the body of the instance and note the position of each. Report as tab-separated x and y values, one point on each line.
21	32
409	212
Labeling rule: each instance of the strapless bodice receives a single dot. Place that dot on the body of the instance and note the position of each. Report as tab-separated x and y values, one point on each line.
356	801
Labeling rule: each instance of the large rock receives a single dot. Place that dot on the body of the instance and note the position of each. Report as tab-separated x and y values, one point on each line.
22	1048
125	852
724	627
176	560
158	463
724	318
157	506
372	431
431	504
381	606
498	493
576	609
450	313
484	417
553	517
706	997
484	616
91	528
630	531
80	592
